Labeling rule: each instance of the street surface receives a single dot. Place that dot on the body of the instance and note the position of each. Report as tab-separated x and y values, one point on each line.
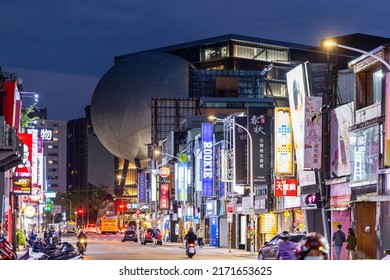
110	247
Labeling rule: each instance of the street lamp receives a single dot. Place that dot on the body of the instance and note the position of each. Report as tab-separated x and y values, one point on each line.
330	43
251	194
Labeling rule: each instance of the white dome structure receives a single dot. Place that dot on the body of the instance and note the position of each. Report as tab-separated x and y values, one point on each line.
121	102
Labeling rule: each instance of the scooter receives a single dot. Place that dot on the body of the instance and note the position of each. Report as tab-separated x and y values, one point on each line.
387	255
81	245
4	255
190	250
7	247
61	251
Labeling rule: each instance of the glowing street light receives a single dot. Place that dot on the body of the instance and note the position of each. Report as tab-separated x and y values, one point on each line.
251	194
330	43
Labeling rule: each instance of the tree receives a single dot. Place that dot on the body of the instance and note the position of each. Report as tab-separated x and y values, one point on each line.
26	120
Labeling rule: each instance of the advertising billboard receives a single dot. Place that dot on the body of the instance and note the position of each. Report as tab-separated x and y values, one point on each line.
341	118
283	142
297	92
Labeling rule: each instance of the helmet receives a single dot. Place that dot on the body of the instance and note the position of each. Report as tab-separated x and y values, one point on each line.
285	235
313	241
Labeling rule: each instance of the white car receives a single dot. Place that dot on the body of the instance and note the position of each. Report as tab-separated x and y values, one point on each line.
91	229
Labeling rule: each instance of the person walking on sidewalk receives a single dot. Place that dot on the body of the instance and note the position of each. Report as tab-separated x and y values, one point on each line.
199	235
337	241
351	244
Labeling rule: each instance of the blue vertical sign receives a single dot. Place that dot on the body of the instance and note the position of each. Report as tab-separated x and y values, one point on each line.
141	188
207	159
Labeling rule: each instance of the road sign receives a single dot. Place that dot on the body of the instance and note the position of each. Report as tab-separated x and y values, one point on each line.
138	212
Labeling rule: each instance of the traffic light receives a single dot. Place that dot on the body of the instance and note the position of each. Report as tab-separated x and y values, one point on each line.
80	211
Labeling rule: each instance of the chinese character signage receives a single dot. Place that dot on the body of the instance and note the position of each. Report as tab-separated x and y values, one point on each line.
259	126
207	159
285	187
313	133
141	187
283	142
46	134
241	151
164	189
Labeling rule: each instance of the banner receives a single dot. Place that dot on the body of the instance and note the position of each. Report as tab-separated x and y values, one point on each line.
259	126
283	142
313	133
341	118
387	122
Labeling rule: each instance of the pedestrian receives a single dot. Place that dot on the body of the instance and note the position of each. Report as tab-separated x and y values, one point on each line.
337	241
351	244
199	235
45	235
166	235
154	236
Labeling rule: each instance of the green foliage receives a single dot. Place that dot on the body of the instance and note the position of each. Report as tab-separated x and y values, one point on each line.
20	237
25	120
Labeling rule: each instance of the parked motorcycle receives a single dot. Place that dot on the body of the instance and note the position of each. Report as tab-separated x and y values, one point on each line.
387	255
46	251
7	247
190	251
81	245
4	255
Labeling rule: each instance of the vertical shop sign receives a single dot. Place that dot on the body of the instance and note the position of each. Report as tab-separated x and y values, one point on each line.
259	126
207	159
241	152
141	187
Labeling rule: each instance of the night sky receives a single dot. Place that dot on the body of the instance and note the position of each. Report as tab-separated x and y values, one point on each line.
61	48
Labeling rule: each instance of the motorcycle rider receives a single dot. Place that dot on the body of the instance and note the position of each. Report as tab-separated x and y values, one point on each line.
190	237
287	247
81	235
313	246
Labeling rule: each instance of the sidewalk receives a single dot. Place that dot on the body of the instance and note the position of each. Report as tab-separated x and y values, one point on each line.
218	250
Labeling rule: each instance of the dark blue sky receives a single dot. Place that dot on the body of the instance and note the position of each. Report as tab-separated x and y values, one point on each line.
61	48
